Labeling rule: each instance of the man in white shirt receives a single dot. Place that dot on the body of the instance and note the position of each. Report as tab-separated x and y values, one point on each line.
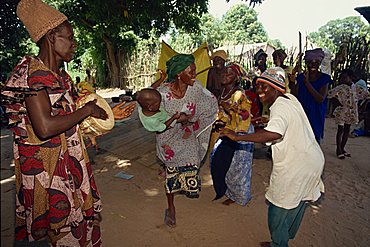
297	158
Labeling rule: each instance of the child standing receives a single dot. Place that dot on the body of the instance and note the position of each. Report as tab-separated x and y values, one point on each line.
346	114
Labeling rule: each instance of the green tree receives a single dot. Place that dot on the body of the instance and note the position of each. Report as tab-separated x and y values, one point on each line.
118	25
238	26
331	35
14	39
276	43
210	31
107	31
241	26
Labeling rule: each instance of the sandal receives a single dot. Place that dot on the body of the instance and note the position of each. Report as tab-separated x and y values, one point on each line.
347	154
168	220
341	156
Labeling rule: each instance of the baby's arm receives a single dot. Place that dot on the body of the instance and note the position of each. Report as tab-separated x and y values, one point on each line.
170	120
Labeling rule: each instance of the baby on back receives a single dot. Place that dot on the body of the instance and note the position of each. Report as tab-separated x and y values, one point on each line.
152	116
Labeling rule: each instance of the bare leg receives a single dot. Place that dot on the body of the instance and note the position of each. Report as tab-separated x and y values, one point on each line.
170	217
339	140
345	137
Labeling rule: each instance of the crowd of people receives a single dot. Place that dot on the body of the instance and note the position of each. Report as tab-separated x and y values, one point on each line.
57	200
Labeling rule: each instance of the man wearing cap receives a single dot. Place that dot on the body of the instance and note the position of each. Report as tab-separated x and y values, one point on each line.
57	201
217	72
296	156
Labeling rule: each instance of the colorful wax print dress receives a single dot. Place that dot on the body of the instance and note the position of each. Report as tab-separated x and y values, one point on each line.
231	162
348	96
56	195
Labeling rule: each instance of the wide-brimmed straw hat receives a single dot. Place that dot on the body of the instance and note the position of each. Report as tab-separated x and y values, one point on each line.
220	53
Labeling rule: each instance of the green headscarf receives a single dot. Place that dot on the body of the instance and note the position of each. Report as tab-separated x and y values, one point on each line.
177	64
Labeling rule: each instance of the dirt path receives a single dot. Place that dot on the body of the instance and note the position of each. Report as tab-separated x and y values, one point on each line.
134	209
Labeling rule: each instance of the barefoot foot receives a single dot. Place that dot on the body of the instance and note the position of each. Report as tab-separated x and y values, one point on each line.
227	202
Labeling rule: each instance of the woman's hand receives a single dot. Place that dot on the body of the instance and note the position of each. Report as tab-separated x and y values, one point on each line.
124	112
292	77
224	104
161	79
230	134
163	74
184	119
96	111
306	77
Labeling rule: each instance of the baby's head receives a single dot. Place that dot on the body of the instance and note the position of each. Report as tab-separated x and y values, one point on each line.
149	99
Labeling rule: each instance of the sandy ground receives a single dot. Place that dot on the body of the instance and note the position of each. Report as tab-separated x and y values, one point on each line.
134	209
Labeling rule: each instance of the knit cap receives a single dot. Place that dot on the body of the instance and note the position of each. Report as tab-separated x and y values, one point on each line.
275	77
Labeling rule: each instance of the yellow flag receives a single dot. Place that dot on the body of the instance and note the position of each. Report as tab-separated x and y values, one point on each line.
202	60
203	63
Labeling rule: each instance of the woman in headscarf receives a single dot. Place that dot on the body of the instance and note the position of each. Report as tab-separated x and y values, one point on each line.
311	88
182	147
57	201
231	162
297	158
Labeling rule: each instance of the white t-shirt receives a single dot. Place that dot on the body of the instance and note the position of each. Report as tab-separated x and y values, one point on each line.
297	158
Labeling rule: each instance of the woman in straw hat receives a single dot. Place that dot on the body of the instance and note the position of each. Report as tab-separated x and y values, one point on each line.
296	156
217	72
57	201
182	147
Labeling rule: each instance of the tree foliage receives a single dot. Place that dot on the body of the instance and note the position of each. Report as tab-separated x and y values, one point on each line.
239	25
119	25
331	34
14	39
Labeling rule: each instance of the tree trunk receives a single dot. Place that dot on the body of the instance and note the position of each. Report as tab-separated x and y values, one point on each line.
123	75
113	65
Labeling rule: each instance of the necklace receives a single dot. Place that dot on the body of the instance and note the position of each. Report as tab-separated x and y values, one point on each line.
228	93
